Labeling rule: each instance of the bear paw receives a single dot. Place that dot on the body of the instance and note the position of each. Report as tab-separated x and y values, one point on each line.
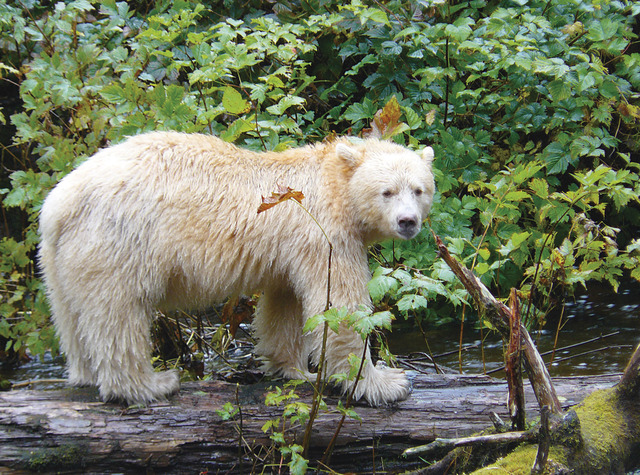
383	385
142	390
288	373
164	384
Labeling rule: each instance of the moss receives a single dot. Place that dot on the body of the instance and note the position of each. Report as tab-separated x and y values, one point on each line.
69	456
600	435
520	461
603	424
608	427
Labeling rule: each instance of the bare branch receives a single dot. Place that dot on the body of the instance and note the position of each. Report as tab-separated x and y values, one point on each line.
498	314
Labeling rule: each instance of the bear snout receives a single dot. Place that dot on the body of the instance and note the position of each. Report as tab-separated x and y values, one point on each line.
408	226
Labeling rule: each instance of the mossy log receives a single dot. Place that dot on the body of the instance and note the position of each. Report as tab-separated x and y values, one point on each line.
71	430
599	435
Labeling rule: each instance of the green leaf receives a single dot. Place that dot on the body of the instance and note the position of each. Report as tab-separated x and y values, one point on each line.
114	94
233	102
298	464
484	253
519	238
556	158
540	187
364	322
381	284
559	89
313	322
360	111
516	196
335	316
285	103
602	30
412	303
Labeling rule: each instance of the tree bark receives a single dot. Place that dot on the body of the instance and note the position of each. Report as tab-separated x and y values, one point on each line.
70	429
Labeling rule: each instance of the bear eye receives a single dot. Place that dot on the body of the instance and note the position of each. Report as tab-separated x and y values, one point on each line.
387	193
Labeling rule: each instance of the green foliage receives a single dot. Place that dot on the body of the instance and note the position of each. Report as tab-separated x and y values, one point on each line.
228	412
295	413
531	107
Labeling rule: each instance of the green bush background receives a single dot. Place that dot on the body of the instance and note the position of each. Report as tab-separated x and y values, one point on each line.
532	108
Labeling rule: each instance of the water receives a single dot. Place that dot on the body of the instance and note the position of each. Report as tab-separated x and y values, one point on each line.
39	370
590	316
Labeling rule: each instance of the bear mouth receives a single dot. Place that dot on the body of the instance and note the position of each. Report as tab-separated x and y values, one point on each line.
408	232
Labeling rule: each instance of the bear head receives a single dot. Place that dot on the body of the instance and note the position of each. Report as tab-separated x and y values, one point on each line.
390	189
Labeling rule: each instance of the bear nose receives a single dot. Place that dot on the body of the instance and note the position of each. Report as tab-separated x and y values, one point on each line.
407	226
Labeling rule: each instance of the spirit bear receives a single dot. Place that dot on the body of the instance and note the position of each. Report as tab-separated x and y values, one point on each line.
167	220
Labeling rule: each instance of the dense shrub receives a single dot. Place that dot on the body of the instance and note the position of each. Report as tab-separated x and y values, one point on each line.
532	108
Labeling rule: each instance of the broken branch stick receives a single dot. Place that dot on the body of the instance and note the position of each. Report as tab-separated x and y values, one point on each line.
498	315
514	366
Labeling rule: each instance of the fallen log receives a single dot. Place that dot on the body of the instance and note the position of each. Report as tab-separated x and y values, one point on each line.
71	430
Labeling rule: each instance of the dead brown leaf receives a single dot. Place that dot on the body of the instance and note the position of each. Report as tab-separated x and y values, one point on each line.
283	194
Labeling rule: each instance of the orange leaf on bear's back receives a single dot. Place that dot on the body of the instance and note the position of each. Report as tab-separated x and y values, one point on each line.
283	194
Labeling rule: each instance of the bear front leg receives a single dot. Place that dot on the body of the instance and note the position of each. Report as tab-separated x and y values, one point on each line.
377	384
278	328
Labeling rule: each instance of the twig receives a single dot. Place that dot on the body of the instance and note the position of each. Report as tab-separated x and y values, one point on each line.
446	91
575	345
498	423
416	368
24	384
453	352
326	457
317	396
543	443
439	445
544	245
568	347
426	342
240	426
629	385
597	350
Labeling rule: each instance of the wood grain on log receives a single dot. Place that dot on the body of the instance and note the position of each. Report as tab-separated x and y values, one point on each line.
72	429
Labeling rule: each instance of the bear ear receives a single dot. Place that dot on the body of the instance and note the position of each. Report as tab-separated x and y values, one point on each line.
427	154
348	154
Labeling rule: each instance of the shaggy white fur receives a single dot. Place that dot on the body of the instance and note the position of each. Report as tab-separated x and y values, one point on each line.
168	220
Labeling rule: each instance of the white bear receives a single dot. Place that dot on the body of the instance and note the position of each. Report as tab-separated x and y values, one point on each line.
168	220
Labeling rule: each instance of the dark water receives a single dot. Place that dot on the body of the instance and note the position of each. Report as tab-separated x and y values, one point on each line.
591	316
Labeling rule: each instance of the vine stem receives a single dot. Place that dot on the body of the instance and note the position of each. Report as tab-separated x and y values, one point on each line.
446	92
318	386
326	457
539	261
318	390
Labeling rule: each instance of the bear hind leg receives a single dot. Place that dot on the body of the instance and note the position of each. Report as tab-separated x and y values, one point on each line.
121	354
79	370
